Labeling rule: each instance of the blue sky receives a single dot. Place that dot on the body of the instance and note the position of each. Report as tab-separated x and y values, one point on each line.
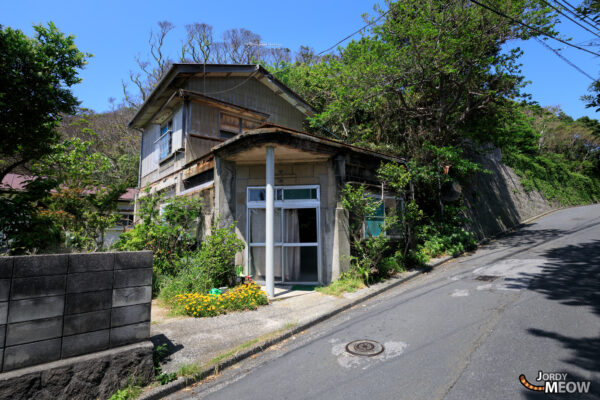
116	31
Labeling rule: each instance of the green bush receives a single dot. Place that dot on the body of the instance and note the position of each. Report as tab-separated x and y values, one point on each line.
170	235
212	265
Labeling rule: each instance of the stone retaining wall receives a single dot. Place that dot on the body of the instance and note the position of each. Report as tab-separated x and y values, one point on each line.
59	306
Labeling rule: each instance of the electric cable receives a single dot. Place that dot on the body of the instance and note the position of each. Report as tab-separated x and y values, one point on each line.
532	28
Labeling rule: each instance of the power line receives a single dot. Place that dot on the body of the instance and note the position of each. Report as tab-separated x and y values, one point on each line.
355	32
340	41
532	28
564	58
570	19
583	18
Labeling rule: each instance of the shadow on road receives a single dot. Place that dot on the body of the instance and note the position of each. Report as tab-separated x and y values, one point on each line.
571	276
526	237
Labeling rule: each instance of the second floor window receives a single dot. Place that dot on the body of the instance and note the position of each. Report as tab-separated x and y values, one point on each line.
165	141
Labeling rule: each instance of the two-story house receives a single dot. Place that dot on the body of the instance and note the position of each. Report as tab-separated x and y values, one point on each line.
229	134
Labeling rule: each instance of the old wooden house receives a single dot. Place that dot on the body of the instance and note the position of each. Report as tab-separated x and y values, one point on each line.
231	134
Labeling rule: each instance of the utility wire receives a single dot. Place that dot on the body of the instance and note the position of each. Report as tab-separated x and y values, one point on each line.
355	32
563	58
575	12
570	19
532	28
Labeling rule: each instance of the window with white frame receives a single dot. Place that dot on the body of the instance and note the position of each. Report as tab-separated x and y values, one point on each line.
165	142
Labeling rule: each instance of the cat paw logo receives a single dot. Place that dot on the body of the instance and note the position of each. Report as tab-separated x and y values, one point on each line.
555	382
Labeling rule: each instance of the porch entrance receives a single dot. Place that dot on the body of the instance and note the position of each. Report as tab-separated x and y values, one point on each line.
296	234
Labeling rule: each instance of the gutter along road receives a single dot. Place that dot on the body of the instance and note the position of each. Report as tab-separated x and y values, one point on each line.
525	303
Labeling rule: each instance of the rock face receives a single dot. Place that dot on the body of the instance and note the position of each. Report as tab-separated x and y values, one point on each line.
92	376
496	203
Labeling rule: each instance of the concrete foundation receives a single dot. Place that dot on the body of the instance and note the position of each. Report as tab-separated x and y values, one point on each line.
91	376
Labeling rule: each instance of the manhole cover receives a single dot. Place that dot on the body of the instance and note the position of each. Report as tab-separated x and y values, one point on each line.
486	278
368	348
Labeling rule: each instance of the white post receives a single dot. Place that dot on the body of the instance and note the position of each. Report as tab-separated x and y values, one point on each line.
269	220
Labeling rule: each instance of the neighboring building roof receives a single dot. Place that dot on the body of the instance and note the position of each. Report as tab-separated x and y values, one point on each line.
179	73
14	182
18	182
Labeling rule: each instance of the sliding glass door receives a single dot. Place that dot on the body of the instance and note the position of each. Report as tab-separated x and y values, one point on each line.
296	230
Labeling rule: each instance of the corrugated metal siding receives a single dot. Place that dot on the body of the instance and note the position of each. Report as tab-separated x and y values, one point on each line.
252	94
149	149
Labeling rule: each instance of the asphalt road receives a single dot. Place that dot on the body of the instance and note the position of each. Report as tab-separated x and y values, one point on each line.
525	303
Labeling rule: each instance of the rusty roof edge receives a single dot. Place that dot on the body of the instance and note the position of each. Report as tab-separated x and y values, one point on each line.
305	135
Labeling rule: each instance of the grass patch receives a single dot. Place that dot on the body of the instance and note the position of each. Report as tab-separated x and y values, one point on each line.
346	284
128	393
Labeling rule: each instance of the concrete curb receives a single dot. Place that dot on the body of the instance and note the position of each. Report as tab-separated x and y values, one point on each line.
182	383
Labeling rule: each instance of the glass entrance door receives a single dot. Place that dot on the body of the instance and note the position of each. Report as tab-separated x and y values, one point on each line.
296	231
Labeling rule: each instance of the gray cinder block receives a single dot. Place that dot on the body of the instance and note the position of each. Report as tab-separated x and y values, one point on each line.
89	262
85	343
31	354
32	331
89	281
24	288
4	289
2	333
129	334
6	266
38	308
134	259
3	312
87	322
85	302
133	277
131	296
130	315
51	264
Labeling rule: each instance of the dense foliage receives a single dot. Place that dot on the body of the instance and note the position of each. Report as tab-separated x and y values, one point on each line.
35	79
209	266
169	228
68	203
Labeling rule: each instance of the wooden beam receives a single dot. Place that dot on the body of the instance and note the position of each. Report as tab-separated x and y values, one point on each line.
198	136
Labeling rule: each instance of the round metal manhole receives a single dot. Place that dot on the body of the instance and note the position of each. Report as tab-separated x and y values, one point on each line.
367	348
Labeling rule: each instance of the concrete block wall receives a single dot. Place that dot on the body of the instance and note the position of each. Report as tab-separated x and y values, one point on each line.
59	306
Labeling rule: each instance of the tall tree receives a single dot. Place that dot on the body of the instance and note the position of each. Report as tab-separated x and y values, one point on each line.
431	69
36	75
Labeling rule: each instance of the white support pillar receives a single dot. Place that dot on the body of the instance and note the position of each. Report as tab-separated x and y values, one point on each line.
269	220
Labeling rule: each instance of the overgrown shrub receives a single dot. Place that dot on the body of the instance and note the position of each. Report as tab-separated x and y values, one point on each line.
171	234
445	236
367	249
212	265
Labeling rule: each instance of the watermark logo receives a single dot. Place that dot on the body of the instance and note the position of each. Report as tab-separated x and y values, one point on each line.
555	382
